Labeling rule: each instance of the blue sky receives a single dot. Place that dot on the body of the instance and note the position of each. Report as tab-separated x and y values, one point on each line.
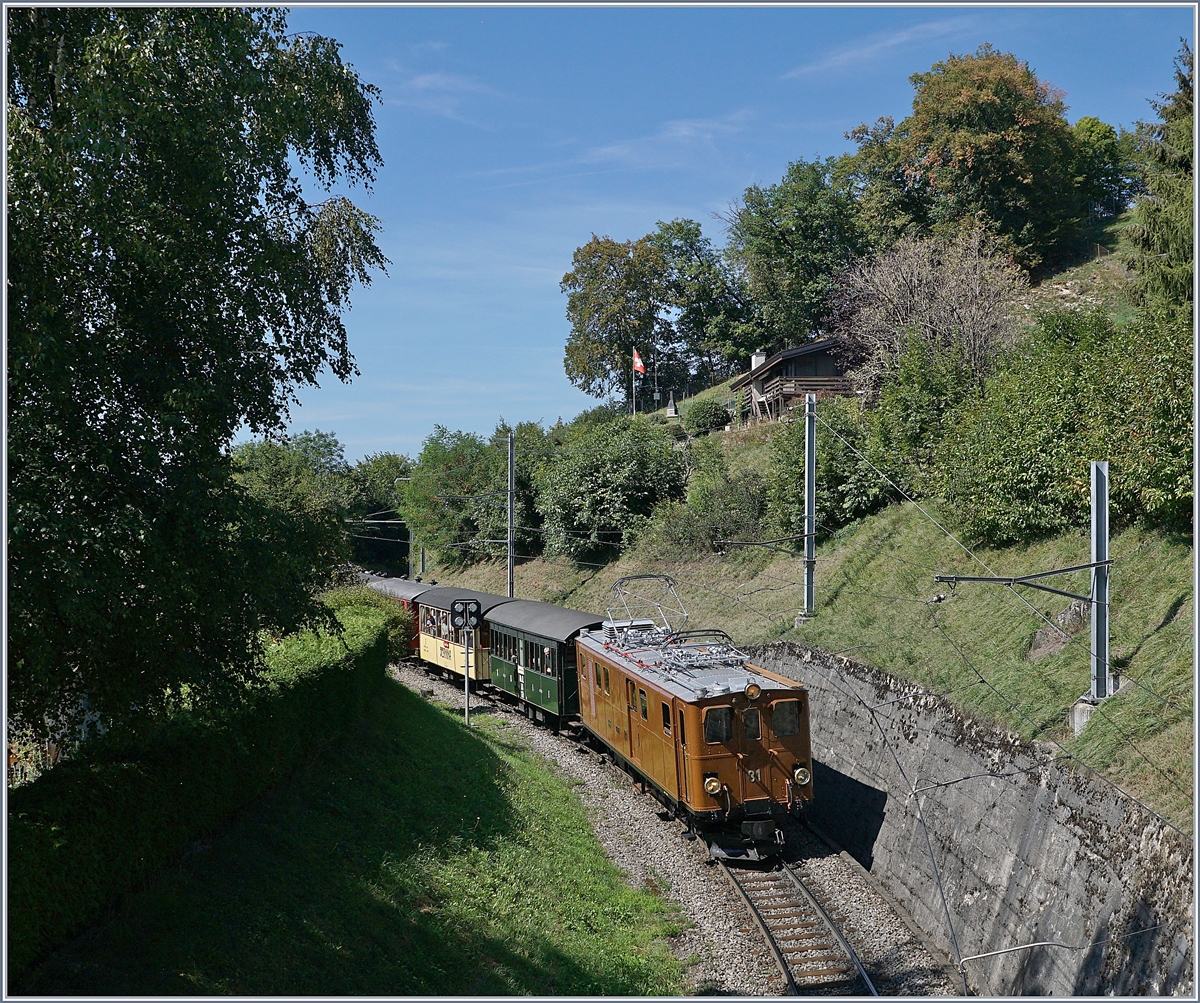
510	135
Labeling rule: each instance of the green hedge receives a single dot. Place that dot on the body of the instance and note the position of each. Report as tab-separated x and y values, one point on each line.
97	827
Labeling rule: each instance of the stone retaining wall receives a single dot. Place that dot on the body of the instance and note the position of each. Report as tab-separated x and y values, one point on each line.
1030	851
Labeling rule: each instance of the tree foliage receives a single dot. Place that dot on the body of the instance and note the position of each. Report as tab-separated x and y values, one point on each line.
668	294
600	488
987	144
1015	466
1162	219
952	294
788	240
168	284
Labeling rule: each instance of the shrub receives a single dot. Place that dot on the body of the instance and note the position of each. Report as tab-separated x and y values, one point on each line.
705	415
847	487
598	492
1017	463
98	826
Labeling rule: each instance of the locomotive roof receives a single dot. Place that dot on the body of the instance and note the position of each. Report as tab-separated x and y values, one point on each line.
402	588
441	596
543	619
696	682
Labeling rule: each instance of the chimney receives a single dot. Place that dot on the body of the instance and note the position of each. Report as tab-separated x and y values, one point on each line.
757	359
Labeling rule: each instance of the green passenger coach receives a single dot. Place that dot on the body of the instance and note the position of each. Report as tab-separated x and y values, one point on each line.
533	656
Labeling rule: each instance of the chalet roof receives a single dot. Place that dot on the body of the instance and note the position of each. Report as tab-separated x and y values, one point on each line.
788	353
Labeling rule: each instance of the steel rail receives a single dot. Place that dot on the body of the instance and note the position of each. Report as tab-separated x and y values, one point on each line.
780	960
831	925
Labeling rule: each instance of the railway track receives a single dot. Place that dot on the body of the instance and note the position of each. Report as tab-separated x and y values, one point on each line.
802	930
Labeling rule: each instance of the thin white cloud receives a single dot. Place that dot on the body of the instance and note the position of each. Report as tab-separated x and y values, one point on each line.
441	94
858	53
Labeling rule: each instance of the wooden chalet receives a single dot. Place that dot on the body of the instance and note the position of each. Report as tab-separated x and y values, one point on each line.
776	386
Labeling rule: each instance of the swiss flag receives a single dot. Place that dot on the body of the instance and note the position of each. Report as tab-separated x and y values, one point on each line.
637	363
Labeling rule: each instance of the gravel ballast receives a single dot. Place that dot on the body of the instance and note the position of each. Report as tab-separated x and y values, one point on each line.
722	950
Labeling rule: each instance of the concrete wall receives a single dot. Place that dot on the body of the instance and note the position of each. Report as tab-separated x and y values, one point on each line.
1047	854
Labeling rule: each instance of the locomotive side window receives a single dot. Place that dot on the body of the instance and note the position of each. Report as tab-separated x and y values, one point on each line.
645	713
666	711
718	725
751	725
682	739
606	689
785	718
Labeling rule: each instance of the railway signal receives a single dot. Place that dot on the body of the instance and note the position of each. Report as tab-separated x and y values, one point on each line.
465	615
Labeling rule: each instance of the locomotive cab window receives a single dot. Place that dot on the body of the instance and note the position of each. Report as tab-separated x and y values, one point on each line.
718	725
642	697
666	712
751	725
785	718
682	738
606	689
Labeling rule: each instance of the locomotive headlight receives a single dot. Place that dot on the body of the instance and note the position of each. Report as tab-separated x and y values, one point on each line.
753	691
801	776
712	786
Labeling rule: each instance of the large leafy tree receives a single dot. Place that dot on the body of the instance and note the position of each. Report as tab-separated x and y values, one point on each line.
670	295
168	284
788	240
615	297
987	143
1162	217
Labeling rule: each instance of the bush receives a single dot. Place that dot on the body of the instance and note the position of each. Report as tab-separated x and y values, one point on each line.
705	415
600	489
847	486
1017	464
97	827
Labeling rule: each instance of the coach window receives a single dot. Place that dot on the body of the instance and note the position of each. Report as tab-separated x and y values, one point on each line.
751	725
666	711
785	718
718	725
645	710
551	660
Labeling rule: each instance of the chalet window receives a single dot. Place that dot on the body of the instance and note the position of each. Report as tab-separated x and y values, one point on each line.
751	725
718	725
785	718
666	711
645	712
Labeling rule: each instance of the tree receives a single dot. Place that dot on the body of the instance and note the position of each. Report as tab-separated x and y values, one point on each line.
1161	231
954	295
168	285
615	295
601	487
1105	171
706	304
788	240
450	487
987	144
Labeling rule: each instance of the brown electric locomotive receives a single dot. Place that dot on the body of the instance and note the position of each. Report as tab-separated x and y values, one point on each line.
724	743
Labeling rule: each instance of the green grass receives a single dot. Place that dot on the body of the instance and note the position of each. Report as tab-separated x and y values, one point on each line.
414	857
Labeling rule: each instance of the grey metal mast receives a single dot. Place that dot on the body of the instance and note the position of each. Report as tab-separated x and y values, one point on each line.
810	503
1100	669
512	505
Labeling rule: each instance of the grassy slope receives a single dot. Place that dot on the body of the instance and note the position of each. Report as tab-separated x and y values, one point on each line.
414	858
